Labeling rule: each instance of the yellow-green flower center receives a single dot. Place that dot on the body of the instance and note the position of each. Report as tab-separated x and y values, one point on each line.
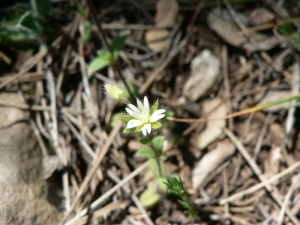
145	119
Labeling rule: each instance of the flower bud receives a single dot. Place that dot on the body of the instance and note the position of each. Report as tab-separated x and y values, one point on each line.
114	92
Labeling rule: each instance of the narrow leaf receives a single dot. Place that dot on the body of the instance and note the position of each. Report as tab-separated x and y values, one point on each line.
118	43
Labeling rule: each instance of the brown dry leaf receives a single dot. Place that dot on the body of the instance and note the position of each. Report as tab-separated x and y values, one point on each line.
272	96
213	129
260	16
223	25
211	161
166	14
205	70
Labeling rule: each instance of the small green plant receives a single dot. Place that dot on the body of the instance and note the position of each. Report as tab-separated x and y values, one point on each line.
106	58
292	36
176	188
27	28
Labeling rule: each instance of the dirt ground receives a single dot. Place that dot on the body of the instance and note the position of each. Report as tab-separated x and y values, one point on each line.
220	68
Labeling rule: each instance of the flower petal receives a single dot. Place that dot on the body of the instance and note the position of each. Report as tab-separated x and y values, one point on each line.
133	123
148	126
157	115
134	112
146	106
140	105
144	130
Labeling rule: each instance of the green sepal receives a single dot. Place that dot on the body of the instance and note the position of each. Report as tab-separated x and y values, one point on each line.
146	152
139	128
154	108
126	118
155	125
128	131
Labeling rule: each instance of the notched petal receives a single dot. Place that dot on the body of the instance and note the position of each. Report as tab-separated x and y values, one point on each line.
133	123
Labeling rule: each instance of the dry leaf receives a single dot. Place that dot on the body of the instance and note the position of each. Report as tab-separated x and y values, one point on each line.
213	129
205	70
166	14
260	16
211	161
224	26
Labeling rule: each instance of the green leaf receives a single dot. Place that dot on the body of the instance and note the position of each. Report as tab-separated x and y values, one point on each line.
155	125
98	64
149	197
146	152
86	31
173	193
297	45
154	108
158	144
183	203
27	23
118	43
286	28
161	184
41	8
147	139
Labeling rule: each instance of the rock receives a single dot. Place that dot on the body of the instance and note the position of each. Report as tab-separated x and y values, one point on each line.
205	71
227	29
22	186
166	16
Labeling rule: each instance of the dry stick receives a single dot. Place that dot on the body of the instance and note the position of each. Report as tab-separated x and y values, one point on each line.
133	197
96	203
267	26
36	59
261	185
236	90
195	15
161	67
33	62
25	106
287	199
54	126
106	45
39	137
226	82
87	90
240	23
258	172
95	166
67	54
139	7
261	136
80	139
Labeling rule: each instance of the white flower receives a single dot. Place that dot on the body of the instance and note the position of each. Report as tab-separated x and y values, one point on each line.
144	118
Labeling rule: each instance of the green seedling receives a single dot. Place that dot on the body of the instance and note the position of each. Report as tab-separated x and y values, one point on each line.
106	58
175	187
